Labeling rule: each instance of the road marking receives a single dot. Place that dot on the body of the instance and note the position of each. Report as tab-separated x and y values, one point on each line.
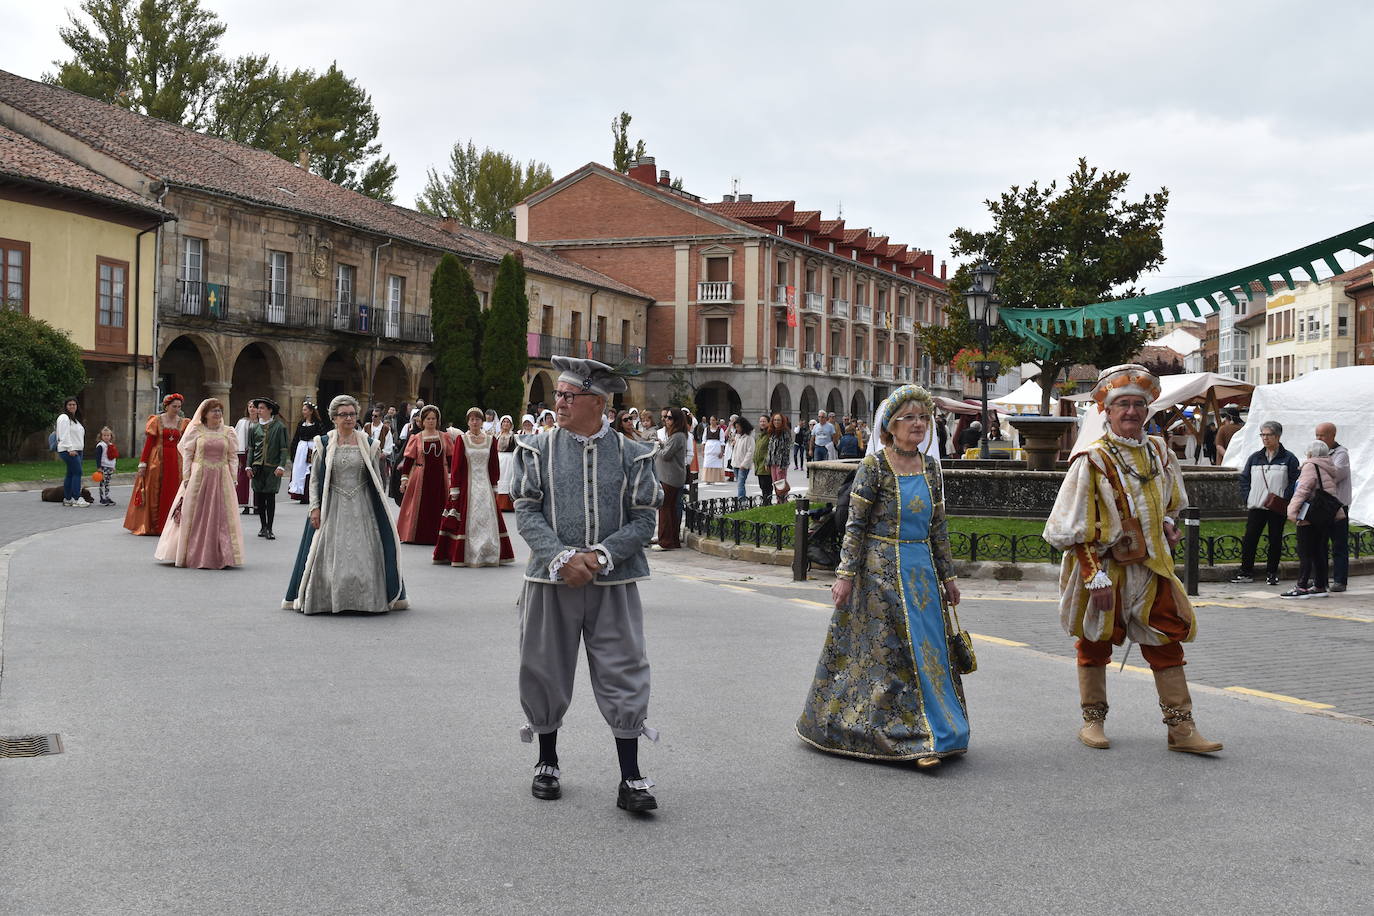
1141	668
811	603
999	640
737	588
1340	617
964	597
1280	697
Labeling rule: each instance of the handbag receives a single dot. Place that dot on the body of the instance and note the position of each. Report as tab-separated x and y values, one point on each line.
1322	507
961	654
1131	547
1274	502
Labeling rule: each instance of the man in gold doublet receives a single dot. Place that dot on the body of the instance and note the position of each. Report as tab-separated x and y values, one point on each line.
1114	520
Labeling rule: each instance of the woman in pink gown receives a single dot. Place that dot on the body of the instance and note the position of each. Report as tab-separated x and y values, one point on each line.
203	530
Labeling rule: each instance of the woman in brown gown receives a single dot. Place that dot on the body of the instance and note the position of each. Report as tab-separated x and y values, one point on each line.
424	480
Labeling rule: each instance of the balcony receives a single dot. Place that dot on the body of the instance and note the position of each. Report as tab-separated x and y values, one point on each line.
814	303
785	357
715	291
546	346
813	361
197	299
780	295
863	314
839	308
885	371
904	324
883	318
904	373
289	311
352	317
839	365
714	355
861	367
409	326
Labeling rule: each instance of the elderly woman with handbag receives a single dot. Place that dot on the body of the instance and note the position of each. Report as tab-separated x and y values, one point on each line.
1315	511
1266	485
887	686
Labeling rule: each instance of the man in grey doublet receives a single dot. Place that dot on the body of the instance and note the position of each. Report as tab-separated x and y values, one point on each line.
586	501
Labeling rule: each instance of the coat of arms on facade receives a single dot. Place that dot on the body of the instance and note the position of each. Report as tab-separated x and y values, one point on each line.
319	255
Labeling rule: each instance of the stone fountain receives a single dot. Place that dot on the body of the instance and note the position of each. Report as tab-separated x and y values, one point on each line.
1040	438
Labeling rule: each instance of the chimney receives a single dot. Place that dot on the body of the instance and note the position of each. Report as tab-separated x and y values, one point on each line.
303	159
643	170
746	198
942	270
727	199
663	178
925	261
448	224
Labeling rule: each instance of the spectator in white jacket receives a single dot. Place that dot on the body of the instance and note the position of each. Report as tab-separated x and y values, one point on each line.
742	453
71	442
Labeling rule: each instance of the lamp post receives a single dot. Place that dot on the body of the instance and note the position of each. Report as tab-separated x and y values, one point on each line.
982	311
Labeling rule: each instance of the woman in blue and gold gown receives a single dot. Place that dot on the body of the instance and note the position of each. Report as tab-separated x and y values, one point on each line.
885	688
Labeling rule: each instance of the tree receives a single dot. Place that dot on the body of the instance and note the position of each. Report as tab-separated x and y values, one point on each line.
39	367
156	57
456	318
479	189
504	350
622	154
1068	248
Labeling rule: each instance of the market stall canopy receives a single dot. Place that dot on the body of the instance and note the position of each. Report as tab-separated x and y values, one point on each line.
1189	388
961	407
1025	398
1339	396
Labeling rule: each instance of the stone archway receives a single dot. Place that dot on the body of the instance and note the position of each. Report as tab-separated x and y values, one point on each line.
810	403
338	375
540	392
185	366
391	382
717	399
427	389
780	401
834	402
257	373
858	406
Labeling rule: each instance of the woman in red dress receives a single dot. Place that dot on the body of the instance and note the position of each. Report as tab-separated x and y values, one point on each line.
472	532
159	469
427	458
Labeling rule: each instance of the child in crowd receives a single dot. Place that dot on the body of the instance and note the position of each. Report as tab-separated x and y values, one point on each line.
105	455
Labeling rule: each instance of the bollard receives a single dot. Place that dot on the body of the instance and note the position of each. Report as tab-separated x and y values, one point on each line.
1192	530
801	535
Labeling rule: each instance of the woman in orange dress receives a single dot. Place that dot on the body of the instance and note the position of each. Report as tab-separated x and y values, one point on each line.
424	479
159	469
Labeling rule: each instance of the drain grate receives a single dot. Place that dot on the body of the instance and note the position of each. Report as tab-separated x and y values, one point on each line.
30	746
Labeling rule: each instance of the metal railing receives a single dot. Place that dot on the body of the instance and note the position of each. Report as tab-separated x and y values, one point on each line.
289	311
411	326
714	355
198	299
547	346
715	291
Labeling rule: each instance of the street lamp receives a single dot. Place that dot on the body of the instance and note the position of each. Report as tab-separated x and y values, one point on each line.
982	311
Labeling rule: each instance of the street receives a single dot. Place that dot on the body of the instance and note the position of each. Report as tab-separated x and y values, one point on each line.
222	755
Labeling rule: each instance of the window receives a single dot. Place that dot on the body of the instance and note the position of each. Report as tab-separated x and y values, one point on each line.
625	335
14	272
575	326
278	285
717	331
717	270
395	302
111	297
1343	322
345	278
546	321
601	329
782	273
810	279
192	275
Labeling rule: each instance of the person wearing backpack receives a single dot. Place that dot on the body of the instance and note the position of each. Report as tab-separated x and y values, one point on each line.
1315	509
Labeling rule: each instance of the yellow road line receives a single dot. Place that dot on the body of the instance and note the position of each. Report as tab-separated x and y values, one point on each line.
1340	617
1141	668
811	603
738	588
1008	598
997	640
1280	697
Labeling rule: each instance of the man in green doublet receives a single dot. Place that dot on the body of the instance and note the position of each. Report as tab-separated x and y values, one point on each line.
268	457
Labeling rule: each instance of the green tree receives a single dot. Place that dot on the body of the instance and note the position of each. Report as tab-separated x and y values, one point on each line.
1068	248
257	104
156	57
456	319
622	153
505	352
479	189
39	367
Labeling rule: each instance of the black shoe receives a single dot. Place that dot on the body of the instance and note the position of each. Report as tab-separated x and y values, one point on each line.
1337	586
1273	580
270	536
545	783
247	510
633	795
262	532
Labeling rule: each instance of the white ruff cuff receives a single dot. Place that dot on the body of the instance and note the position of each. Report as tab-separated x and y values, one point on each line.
1100	580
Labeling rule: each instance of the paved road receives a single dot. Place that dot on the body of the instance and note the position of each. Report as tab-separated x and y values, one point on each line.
225	756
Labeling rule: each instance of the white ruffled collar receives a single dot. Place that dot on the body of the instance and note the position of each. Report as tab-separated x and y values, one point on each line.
605	428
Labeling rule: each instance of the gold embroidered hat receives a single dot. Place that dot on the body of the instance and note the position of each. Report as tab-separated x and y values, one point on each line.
1130	378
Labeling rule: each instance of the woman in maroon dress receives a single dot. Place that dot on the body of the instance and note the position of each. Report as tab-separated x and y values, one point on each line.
424	480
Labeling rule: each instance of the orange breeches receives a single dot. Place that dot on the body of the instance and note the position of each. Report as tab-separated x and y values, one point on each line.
1163	616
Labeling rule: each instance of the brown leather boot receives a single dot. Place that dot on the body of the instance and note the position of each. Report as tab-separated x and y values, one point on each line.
1177	705
1092	694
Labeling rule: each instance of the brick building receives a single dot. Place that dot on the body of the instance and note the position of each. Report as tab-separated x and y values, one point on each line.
275	281
757	305
1359	287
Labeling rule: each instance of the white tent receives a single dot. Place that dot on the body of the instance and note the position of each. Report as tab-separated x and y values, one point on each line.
1178	340
1186	388
1025	399
1340	396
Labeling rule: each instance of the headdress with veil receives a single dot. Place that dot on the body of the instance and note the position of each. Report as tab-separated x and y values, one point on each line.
894	400
187	445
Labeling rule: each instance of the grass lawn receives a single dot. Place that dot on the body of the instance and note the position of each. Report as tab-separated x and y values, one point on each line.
53	470
966	524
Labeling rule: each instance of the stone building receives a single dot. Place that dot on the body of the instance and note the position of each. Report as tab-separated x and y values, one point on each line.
274	281
757	305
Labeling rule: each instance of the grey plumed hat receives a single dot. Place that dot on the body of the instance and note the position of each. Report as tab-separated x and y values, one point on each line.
589	375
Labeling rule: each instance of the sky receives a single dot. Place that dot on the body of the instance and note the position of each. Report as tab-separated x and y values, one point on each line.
908	116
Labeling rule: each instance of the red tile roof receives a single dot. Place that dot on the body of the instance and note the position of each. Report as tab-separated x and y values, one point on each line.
805	219
754	209
1355	274
851	236
184	158
23	160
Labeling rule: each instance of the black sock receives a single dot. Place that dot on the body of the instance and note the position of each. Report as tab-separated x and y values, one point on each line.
548	748
270	506
627	749
261	500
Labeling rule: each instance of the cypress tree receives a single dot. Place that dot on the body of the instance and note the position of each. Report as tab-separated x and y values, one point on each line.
505	350
456	320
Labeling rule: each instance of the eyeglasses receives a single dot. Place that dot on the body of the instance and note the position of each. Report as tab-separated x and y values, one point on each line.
911	418
345	415
571	396
1130	405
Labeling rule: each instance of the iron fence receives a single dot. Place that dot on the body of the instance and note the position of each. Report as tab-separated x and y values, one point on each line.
708	518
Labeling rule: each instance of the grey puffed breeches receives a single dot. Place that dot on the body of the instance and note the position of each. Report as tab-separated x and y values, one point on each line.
609	621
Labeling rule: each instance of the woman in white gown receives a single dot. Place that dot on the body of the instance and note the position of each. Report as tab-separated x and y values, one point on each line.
472	531
505	455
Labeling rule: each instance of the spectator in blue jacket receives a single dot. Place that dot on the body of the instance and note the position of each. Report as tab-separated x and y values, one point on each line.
1272	471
